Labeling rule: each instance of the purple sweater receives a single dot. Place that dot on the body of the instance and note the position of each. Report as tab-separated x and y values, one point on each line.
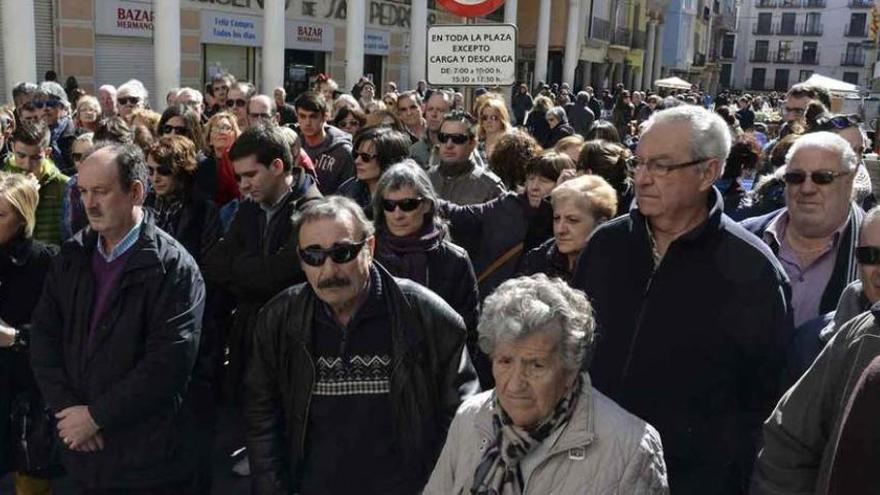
107	275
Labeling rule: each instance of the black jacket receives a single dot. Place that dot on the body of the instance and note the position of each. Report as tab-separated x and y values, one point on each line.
536	124
431	376
24	264
695	347
134	374
521	103
557	133
580	117
358	190
253	268
546	259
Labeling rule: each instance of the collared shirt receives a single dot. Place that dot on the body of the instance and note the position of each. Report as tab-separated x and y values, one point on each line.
807	282
124	245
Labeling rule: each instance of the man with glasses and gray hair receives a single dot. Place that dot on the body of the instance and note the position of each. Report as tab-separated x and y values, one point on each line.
692	310
355	375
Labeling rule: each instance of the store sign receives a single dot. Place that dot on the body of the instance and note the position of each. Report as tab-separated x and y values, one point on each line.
124	18
472	55
377	42
301	35
223	28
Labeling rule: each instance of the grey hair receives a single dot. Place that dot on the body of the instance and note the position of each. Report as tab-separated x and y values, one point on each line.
559	114
523	306
406	173
136	88
332	207
197	95
826	141
710	136
870	216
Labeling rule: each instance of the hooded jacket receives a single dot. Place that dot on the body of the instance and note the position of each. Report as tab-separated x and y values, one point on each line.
53	185
676	347
331	158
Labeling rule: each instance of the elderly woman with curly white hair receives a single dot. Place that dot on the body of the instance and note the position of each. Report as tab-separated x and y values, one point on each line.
544	428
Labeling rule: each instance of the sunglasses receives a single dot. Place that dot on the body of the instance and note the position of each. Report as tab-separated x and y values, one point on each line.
408	204
868	255
236	103
819	177
161	170
456	138
365	157
839	122
340	253
130	100
174	129
350	123
40	104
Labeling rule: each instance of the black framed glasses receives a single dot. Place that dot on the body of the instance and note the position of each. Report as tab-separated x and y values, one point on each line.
456	138
868	255
163	170
819	177
365	157
128	100
175	129
635	163
50	103
340	252
236	103
407	205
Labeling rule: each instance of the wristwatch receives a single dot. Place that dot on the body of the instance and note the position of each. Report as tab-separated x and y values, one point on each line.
18	340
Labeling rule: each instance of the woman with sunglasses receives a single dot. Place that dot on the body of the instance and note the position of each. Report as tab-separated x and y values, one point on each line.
73	213
375	149
413	242
181	120
131	95
494	123
349	120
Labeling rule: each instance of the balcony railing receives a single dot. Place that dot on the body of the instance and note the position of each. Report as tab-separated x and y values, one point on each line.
856	31
856	59
639	38
601	29
814	4
760	56
786	57
809	58
622	37
860	4
789	4
727	54
699	60
762	29
765	4
812	29
787	29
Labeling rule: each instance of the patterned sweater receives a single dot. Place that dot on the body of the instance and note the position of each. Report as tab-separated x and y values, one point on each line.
52	186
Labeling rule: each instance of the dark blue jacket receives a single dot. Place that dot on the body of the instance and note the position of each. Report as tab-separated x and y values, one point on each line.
696	346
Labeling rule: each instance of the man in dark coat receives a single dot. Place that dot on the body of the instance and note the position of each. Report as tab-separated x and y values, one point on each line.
355	375
256	258
115	337
579	114
669	283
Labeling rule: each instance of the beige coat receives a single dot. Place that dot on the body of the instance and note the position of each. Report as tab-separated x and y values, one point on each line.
602	450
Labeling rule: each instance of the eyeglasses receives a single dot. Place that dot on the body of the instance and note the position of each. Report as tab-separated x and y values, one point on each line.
340	253
657	170
365	157
236	103
175	129
77	157
164	170
456	138
819	177
868	255
490	118
349	123
222	128
40	104
130	100
408	204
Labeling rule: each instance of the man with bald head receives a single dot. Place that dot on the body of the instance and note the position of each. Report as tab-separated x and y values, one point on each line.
261	108
115	338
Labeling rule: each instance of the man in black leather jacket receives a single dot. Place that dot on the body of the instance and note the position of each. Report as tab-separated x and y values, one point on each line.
355	375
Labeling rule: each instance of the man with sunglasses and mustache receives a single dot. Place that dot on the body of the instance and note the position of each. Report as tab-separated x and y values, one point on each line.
355	375
803	432
814	235
458	177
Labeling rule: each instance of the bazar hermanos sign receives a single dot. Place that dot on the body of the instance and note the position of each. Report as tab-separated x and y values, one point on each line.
379	12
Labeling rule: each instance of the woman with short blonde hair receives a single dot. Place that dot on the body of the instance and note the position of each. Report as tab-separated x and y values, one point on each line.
21	192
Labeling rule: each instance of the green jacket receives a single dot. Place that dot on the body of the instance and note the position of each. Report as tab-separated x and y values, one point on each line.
52	186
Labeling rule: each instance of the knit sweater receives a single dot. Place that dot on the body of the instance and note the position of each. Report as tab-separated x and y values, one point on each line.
49	212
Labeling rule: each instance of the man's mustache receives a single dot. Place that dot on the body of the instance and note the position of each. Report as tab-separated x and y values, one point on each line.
334	283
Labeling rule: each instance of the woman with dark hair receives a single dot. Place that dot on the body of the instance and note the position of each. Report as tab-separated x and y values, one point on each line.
609	160
744	155
522	103
623	114
349	120
536	122
374	150
182	121
768	193
604	130
413	242
512	152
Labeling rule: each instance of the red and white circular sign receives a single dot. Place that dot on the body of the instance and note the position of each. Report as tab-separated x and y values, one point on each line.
471	8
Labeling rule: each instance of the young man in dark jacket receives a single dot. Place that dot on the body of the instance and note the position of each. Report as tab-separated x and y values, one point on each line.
115	337
670	283
355	375
256	258
328	147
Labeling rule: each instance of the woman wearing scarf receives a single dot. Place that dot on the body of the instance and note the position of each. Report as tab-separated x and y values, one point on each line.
412	242
544	428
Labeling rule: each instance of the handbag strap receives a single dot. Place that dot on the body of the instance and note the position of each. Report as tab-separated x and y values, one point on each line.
504	258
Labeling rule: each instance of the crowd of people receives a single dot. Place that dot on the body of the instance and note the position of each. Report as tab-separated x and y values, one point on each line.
407	292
